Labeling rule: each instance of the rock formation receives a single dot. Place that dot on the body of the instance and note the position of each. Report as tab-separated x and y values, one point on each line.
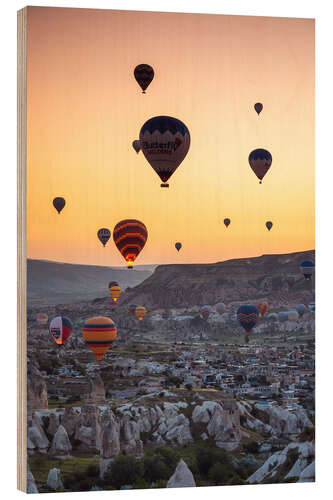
96	391
54	480
36	389
61	445
31	484
182	477
37	440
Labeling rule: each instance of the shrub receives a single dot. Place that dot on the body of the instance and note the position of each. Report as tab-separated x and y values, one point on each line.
125	469
307	434
252	447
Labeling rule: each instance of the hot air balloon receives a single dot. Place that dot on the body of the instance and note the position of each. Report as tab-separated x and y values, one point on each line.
269	225
144	75
247	316
205	312
258	107
220	307
272	317
130	236
301	309
178	246
99	333
227	222
307	268
115	292
103	235
282	316
164	142
140	312
132	308
293	315
59	204
42	319
262	307
260	161
60	328
136	146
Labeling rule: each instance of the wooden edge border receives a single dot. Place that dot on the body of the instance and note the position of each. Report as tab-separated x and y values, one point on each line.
21	252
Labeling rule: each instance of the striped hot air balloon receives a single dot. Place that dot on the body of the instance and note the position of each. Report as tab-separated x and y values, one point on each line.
132	308
115	292
140	312
42	319
307	268
144	74
247	316
164	142
262	307
60	328
99	332
130	236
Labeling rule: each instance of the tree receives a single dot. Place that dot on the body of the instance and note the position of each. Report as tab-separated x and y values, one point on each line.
125	469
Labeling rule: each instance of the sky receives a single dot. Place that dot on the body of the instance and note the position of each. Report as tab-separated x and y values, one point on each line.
84	109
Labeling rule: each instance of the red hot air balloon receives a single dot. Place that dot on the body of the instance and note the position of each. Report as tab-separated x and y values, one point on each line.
59	204
260	161
258	107
60	329
103	235
164	142
130	236
269	225
226	222
144	74
262	308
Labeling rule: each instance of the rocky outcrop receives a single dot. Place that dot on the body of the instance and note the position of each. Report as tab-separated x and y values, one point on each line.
37	440
53	424
36	389
182	477
31	483
308	475
96	390
298	456
61	446
286	423
54	480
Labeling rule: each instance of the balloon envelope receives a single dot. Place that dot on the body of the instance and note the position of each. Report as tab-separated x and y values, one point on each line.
220	307
205	312
130	236
42	319
258	107
103	235
262	307
301	309
226	222
307	267
60	328
178	246
260	161
144	75
282	316
164	142
99	333
132	308
59	203
115	292
247	316
113	283
269	225
136	146
293	315
140	312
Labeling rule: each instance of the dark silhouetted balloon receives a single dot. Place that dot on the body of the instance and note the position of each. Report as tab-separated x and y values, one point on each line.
269	225
307	267
260	161
178	245
258	107
164	142
136	146
144	75
60	328
130	236
226	222
247	316
103	235
59	203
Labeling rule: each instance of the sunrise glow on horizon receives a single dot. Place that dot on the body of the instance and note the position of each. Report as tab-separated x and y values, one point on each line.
85	109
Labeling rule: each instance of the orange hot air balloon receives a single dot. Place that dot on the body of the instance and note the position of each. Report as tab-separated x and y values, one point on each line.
99	333
42	319
140	312
115	292
263	308
130	236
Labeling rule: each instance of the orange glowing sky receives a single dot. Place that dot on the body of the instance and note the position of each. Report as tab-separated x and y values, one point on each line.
85	109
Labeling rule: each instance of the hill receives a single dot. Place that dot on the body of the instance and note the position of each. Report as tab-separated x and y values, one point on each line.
55	282
274	277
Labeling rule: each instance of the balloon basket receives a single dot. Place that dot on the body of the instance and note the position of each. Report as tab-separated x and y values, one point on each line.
164	185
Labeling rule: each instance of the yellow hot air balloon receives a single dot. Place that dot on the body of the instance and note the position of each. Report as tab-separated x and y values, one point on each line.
140	312
99	333
115	292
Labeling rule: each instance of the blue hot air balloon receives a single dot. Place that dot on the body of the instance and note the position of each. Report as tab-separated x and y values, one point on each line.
301	309
247	316
307	268
282	316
